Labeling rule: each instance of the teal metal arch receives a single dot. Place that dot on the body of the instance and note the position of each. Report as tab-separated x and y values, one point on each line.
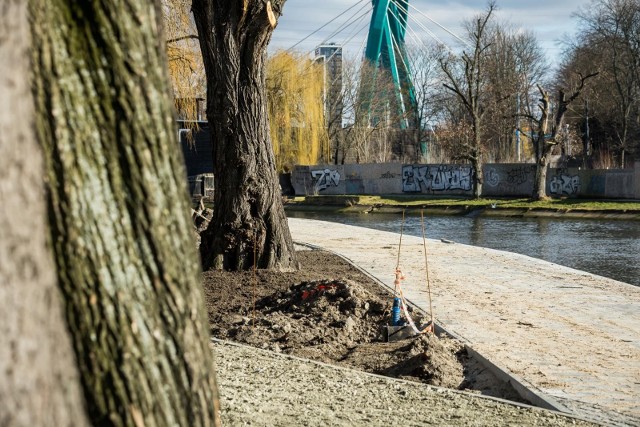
386	50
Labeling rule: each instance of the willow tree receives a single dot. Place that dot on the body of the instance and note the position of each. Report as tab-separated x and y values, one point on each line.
186	71
39	382
118	209
248	210
294	88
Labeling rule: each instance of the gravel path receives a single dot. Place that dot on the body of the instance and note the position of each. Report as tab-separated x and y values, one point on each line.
258	388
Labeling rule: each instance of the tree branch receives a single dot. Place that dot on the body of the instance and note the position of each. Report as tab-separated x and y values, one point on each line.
188	36
583	79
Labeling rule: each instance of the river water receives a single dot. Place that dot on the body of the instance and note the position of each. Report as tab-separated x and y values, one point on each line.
606	248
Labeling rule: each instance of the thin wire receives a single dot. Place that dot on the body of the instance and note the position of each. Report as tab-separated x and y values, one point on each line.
314	32
347	41
336	51
351	36
421	25
348	22
440	25
426	263
400	244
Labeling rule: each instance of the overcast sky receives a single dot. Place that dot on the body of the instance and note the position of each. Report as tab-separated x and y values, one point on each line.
550	20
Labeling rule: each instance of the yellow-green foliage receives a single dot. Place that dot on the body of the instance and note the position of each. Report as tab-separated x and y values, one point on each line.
186	69
296	111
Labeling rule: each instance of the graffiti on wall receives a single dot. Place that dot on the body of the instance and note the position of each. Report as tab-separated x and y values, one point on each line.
515	176
565	184
510	179
419	178
325	178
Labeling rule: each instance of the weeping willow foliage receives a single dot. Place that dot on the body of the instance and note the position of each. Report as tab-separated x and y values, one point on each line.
186	69
295	88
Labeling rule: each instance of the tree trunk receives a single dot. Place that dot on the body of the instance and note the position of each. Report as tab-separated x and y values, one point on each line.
248	208
476	164
540	183
118	207
39	381
543	148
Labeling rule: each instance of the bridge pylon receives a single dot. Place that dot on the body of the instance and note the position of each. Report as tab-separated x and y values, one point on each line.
386	51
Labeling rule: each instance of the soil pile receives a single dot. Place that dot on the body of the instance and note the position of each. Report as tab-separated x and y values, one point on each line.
329	311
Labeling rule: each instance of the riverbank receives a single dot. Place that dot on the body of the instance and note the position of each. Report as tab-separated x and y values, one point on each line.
414	205
570	335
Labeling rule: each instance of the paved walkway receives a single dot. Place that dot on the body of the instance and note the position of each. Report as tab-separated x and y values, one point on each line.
570	334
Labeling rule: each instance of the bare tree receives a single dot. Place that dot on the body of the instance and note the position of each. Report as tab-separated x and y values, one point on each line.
248	210
610	36
466	78
366	136
549	126
424	68
514	62
118	208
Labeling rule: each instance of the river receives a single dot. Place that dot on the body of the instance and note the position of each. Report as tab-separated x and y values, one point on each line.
607	248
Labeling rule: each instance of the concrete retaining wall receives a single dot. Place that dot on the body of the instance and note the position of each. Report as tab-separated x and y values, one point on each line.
508	180
637	180
598	183
500	180
383	178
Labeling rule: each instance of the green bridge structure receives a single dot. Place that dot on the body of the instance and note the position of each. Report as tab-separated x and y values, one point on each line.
386	51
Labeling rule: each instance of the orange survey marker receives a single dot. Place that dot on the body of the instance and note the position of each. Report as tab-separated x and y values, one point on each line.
403	305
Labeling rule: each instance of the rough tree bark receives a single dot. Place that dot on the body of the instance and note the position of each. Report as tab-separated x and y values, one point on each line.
248	206
39	381
547	134
122	237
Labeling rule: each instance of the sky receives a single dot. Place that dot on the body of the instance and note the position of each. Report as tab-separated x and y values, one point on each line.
550	21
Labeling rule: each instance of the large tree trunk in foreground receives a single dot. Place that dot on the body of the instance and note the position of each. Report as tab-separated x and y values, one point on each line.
122	236
248	206
39	381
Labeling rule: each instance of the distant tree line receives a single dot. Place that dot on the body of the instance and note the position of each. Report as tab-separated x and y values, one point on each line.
483	100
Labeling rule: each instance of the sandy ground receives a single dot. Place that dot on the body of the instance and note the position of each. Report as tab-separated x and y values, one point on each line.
569	334
263	388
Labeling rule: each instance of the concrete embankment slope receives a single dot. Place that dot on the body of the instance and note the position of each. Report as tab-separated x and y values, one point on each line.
570	334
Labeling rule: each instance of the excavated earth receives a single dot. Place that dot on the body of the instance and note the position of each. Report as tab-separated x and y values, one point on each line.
330	312
310	350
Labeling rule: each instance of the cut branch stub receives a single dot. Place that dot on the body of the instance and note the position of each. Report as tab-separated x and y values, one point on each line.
271	16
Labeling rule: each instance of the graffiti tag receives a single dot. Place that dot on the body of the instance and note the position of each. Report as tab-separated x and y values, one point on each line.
417	178
492	178
519	176
565	184
325	178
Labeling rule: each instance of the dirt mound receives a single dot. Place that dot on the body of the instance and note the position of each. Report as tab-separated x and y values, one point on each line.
330	312
329	315
429	359
330	320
